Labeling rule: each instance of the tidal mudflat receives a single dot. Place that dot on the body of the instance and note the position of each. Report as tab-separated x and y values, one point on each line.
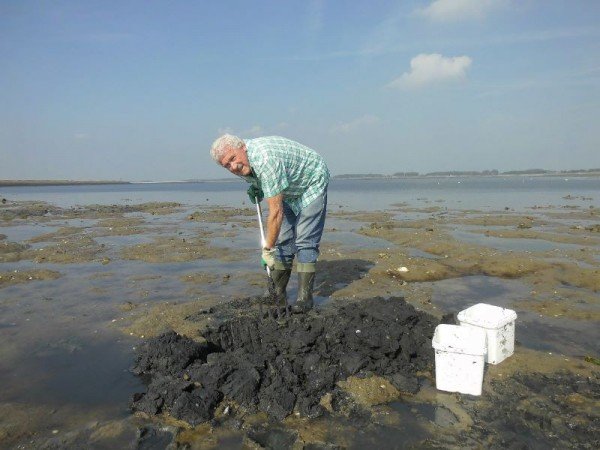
84	289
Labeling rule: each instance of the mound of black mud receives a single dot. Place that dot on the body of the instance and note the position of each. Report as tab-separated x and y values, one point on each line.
285	365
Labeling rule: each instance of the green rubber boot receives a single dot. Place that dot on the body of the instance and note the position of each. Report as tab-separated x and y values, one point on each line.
306	282
280	279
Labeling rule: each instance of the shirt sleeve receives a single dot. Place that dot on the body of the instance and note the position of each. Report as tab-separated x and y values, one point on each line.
273	177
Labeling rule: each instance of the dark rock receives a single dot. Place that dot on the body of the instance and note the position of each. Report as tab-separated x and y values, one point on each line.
197	406
404	383
168	354
242	385
277	400
150	438
162	390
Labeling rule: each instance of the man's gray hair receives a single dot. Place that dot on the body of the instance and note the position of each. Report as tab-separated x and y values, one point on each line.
223	144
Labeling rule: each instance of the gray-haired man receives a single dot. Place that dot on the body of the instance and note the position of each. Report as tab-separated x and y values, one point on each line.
293	178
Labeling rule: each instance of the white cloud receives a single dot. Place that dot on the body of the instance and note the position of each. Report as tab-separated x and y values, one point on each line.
353	125
254	131
225	130
457	10
433	68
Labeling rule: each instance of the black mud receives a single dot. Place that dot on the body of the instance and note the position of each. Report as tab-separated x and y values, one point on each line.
284	366
558	410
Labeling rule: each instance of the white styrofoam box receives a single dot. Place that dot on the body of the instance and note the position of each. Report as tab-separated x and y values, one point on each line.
459	358
498	323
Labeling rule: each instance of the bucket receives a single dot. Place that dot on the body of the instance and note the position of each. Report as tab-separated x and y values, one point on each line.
459	358
499	325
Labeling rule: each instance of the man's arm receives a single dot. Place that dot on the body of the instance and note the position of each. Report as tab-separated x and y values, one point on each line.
274	220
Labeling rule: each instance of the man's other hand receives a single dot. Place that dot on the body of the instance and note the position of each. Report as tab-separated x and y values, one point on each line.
255	192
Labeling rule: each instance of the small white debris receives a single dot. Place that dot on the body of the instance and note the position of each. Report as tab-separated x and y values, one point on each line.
357	331
54	431
402	269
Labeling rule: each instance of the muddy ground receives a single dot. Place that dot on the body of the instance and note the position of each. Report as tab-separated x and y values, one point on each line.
133	272
283	365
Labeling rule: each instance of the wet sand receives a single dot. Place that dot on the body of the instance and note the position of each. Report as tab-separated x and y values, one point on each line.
81	288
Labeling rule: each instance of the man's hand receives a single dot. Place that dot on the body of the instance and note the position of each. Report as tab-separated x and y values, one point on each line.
268	257
254	192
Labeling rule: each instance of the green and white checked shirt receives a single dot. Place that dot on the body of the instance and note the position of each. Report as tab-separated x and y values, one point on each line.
285	166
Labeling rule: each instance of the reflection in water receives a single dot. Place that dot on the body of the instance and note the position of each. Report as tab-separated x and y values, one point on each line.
511	244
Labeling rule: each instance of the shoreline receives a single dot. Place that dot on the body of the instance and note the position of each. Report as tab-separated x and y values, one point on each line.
24	183
16	183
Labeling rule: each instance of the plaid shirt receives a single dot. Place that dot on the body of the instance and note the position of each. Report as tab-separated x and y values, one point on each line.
285	166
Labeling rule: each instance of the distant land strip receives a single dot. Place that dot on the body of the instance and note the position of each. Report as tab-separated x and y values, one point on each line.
471	173
55	182
455	173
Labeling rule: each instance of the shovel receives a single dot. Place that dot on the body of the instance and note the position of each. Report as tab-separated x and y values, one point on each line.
272	292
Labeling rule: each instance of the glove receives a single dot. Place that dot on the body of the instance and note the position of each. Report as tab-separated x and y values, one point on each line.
268	258
253	192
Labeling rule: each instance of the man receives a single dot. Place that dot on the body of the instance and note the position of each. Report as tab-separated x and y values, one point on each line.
293	178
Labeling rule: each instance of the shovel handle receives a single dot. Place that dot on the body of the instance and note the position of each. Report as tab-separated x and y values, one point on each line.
262	231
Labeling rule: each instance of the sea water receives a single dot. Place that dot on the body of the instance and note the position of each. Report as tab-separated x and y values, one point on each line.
482	193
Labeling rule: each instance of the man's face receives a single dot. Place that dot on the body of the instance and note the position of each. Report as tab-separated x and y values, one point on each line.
236	161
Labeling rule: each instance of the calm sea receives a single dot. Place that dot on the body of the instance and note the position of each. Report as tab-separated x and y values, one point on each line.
486	193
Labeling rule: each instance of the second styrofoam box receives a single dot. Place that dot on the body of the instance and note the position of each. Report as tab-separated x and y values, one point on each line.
499	325
459	356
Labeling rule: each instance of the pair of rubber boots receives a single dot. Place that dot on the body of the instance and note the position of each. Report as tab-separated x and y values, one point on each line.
306	282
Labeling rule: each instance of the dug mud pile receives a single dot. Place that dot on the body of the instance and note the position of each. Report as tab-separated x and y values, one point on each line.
284	366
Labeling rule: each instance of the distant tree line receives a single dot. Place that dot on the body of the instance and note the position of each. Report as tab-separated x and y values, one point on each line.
406	174
465	173
362	175
455	173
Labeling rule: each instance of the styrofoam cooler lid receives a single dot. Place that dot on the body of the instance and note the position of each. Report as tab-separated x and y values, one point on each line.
457	339
486	316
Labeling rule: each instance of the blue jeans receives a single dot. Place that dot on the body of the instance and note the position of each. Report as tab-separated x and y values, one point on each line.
301	234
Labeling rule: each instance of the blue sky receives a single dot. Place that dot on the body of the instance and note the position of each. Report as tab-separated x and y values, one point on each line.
138	90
